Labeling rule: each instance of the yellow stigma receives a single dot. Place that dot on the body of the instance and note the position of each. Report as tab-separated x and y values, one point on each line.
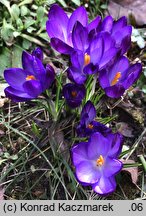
100	161
30	77
74	94
90	126
116	78
86	59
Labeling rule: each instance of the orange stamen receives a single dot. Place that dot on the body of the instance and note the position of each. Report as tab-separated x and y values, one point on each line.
90	126
116	78
30	77
86	59
100	161
73	93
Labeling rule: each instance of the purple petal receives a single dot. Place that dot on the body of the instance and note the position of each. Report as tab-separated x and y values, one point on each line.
96	50
76	75
27	62
115	91
107	24
55	31
98	145
103	79
133	75
108	41
111	167
79	153
116	141
15	77
87	172
121	65
49	78
77	59
33	65
107	58
105	185
94	24
90	110
60	46
119	24
80	15
33	88
121	34
16	95
90	69
58	21
80	37
38	53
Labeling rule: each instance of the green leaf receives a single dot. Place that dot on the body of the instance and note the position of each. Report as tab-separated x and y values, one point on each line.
15	11
16	56
24	10
40	13
62	2
5	60
77	2
26	44
29	22
7	32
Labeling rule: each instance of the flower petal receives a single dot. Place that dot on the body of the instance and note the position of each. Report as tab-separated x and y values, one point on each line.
119	24
79	153
80	37
133	74
80	15
98	145
50	76
116	141
58	21
105	185
107	58
33	88
17	95
94	24
111	167
60	46
90	110
87	172
107	24
115	91
38	53
15	77
103	79
76	75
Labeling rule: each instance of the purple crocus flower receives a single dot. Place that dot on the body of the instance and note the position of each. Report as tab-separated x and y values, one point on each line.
28	83
59	27
96	162
116	79
95	56
74	94
119	31
88	125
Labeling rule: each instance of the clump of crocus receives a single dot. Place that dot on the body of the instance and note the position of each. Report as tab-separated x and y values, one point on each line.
88	125
96	162
28	83
60	26
74	94
119	77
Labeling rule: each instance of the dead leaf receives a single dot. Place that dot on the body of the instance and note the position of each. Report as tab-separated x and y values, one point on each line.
129	8
133	171
124	129
3	101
